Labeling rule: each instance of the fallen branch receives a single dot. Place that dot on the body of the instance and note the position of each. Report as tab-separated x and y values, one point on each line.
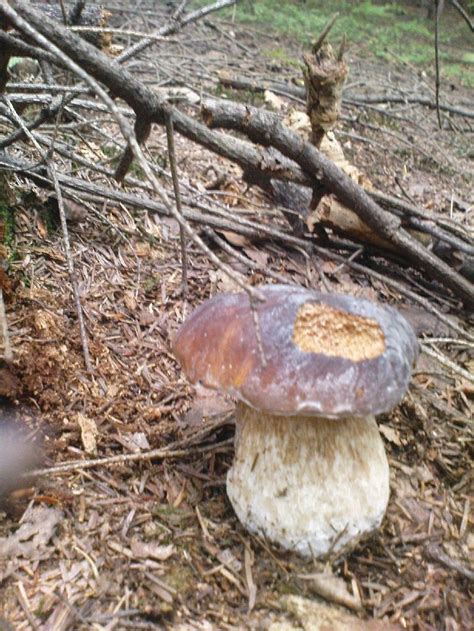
265	128
262	128
241	83
245	227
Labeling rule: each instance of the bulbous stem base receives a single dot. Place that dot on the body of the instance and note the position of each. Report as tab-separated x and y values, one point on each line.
312	485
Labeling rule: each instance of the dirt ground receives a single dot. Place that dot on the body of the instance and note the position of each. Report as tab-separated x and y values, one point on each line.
154	543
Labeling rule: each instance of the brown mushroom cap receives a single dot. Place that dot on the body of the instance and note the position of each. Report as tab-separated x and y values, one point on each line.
326	354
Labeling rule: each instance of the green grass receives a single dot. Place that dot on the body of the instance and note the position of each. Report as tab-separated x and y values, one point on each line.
383	29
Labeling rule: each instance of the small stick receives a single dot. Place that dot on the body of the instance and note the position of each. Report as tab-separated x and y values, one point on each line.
435	553
445	361
177	195
463	13
180	10
324	33
70	264
439	10
123	458
7	349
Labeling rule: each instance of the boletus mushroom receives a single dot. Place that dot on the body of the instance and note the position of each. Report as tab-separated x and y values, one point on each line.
310	470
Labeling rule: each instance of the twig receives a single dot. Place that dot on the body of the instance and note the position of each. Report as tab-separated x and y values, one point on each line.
242	226
70	264
25	605
7	349
435	553
177	196
439	10
458	6
176	23
442	359
243	259
408	100
123	458
324	33
265	128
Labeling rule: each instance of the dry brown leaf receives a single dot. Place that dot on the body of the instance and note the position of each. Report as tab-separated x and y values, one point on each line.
89	432
206	403
259	256
130	300
223	283
147	317
235	239
390	434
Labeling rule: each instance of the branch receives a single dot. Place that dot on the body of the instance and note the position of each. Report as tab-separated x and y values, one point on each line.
463	13
265	128
23	25
439	11
294	92
245	227
261	127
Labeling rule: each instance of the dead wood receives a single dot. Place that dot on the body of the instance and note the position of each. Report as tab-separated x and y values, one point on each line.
5	54
262	128
266	129
324	74
254	230
241	83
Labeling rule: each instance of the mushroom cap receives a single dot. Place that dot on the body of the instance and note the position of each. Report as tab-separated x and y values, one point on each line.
325	354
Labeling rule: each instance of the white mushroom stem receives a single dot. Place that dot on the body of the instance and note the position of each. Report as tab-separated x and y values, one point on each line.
313	485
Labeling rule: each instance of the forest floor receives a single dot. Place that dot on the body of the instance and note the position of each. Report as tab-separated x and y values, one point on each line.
154	543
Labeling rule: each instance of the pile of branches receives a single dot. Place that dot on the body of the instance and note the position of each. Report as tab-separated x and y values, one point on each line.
79	73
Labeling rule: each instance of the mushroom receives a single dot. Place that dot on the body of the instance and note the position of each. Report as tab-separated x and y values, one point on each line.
310	470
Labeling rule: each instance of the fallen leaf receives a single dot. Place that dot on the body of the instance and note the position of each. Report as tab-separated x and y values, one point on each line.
224	283
259	256
89	432
206	403
390	434
130	300
134	442
235	239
